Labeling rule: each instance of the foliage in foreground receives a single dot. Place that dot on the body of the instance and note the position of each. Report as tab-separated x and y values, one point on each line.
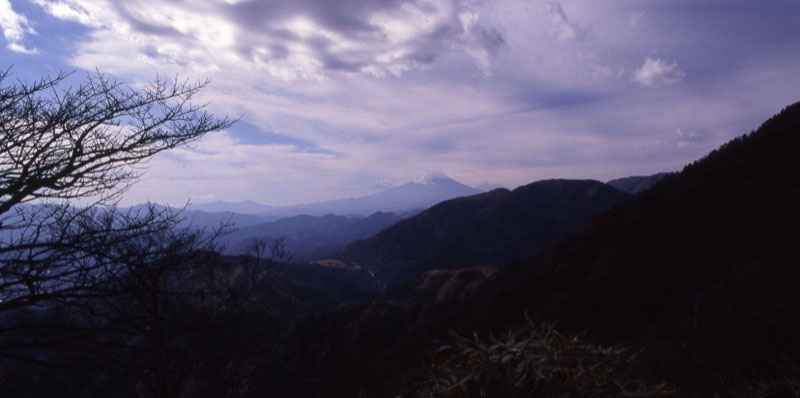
536	360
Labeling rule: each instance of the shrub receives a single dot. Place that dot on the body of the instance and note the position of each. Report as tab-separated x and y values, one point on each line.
536	360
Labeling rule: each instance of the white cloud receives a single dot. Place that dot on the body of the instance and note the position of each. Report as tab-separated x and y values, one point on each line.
15	27
87	13
369	92
287	40
655	72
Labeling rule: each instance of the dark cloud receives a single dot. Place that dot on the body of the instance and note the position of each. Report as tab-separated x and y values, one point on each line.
425	29
488	38
342	16
150	28
564	28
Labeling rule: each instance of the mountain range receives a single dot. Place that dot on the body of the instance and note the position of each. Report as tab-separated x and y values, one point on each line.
309	237
490	228
243	207
487	229
698	274
411	196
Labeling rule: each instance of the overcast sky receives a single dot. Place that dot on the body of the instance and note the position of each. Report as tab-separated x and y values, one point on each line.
343	98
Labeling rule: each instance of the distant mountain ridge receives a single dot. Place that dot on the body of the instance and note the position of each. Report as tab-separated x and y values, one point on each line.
200	219
309	237
243	207
419	194
636	184
491	228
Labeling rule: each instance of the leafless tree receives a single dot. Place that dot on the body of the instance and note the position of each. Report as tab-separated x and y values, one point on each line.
88	141
270	251
156	308
175	296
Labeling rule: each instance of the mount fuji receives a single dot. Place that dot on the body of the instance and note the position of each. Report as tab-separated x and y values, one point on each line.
416	195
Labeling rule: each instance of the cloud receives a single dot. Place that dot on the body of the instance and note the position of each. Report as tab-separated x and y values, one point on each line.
340	97
655	72
480	42
288	40
15	27
563	28
687	138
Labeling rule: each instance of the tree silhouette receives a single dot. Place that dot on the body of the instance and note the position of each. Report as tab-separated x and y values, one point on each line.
89	141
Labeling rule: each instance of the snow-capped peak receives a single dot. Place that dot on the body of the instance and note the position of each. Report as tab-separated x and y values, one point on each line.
432	177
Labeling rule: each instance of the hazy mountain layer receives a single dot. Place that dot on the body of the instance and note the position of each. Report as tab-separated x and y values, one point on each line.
310	237
243	207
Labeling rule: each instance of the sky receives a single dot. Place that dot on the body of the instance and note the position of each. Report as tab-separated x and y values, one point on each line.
343	98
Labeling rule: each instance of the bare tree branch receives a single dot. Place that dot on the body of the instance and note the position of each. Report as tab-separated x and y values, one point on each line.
83	141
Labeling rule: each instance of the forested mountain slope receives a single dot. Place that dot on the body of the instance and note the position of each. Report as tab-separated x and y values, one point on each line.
491	228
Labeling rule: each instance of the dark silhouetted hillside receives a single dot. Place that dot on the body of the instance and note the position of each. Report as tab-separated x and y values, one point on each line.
702	270
491	228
